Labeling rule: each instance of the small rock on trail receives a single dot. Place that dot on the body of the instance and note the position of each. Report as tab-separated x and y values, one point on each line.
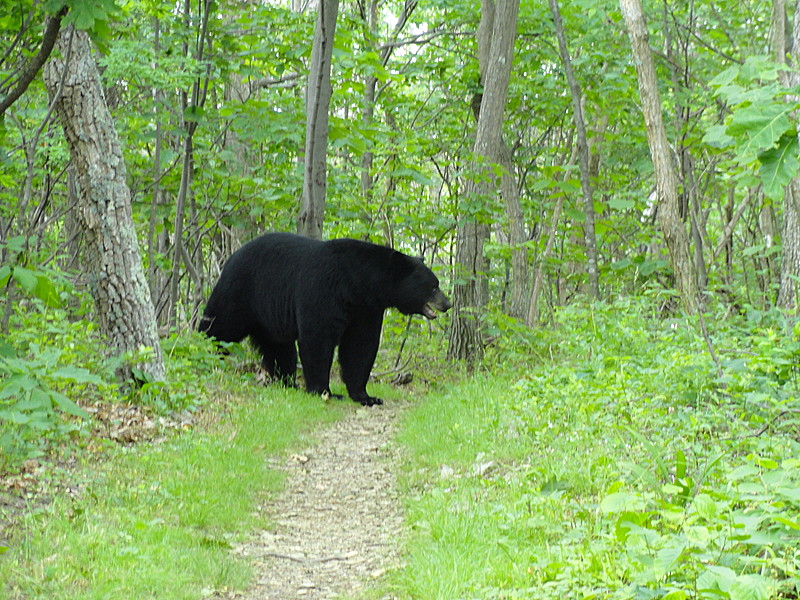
338	520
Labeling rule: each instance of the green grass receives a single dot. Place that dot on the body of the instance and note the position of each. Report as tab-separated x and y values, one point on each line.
622	468
158	521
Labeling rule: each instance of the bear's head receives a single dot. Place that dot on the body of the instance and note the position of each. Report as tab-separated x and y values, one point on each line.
416	290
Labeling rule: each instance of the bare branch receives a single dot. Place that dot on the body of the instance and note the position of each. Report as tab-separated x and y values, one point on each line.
285	80
48	41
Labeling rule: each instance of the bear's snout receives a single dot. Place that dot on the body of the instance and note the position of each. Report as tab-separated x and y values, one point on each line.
438	303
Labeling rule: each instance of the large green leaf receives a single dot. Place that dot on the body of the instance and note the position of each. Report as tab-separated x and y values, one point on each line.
622	502
666	558
5	275
76	374
779	165
26	278
717	137
46	291
750	587
68	406
758	128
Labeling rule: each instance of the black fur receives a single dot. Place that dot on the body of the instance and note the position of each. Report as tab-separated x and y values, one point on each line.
282	288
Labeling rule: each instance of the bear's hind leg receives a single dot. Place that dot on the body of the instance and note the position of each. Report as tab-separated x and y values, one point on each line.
286	363
278	360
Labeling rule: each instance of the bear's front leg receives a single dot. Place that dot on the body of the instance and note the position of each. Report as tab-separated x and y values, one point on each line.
366	400
357	351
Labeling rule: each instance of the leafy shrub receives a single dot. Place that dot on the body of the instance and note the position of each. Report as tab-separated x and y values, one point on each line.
617	463
40	379
192	363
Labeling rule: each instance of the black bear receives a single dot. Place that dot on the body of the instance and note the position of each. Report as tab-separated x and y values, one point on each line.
282	288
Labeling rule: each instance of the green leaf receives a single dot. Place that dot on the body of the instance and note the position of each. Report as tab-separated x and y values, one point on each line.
625	523
750	587
621	203
68	406
26	278
705	506
14	416
766	463
5	275
649	267
16	244
758	128
751	250
621	264
193	114
665	559
75	374
6	350
726	77
39	399
622	502
46	292
792	494
414	174
779	165
716	578
680	464
759	68
790	524
717	137
16	385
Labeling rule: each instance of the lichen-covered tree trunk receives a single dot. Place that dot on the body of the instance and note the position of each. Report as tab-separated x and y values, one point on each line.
517	235
515	216
786	51
318	99
669	219
789	291
112	261
496	36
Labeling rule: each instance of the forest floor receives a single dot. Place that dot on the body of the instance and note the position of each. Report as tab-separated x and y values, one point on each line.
338	520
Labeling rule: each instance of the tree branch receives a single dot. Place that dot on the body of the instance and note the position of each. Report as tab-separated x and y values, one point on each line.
48	41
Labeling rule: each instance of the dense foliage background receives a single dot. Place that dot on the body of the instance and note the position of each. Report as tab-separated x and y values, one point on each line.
208	100
249	61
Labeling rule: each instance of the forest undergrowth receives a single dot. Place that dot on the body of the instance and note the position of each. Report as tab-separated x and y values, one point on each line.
134	490
604	455
619	462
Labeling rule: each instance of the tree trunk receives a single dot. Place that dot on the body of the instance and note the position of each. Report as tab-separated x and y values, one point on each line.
681	83
370	88
789	290
589	238
666	180
538	272
318	99
495	54
190	104
113	264
154	274
515	216
517	235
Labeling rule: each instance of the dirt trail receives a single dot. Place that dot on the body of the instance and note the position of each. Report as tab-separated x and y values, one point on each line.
339	519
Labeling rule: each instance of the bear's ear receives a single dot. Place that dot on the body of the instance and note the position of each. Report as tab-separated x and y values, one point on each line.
401	264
